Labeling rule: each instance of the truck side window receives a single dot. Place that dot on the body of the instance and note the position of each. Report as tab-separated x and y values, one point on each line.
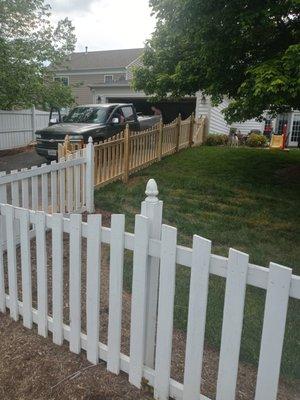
128	113
119	114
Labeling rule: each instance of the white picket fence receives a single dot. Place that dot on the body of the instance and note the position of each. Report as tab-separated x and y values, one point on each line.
63	186
155	255
17	128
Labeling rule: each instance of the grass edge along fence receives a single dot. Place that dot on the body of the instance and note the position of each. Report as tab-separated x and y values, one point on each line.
127	152
155	255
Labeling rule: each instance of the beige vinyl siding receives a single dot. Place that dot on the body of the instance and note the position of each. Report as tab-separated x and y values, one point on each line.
81	90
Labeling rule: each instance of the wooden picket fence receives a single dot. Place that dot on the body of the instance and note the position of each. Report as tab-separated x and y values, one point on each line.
125	153
155	255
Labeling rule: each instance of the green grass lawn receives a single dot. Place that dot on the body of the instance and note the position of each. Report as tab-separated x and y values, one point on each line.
243	198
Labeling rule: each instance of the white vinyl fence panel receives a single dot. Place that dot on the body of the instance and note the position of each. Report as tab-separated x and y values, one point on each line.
17	128
278	282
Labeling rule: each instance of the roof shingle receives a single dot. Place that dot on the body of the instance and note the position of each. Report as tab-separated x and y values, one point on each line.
102	59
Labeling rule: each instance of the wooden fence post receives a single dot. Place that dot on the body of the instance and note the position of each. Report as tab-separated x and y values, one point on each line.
126	153
191	133
160	139
90	176
178	132
152	208
67	145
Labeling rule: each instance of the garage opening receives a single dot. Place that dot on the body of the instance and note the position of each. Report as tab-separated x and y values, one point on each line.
170	109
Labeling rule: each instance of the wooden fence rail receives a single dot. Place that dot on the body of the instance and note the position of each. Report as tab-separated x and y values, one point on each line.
150	242
118	157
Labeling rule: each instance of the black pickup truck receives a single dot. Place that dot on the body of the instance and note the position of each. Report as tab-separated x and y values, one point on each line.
100	121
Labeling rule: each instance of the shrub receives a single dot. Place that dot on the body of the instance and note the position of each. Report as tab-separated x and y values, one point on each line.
214	139
256	140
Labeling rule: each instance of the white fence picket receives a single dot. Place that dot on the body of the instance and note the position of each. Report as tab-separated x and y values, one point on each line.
115	292
41	266
232	324
77	204
75	283
70	186
45	192
2	279
83	183
26	268
93	287
196	317
12	262
138	300
165	312
3	189
53	180
25	191
62	189
57	278
34	191
15	195
273	332
3	200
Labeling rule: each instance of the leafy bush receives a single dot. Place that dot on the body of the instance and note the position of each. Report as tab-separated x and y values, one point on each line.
214	139
255	140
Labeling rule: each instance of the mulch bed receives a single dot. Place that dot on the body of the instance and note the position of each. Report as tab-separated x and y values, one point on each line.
32	367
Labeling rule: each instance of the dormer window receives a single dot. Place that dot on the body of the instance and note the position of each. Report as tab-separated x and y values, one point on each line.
108	78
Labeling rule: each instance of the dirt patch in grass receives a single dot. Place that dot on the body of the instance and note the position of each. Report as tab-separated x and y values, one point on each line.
290	174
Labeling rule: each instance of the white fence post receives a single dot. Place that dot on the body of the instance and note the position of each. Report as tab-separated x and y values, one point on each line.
90	176
33	127
152	208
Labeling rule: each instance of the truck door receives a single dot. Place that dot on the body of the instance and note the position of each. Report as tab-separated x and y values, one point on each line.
116	123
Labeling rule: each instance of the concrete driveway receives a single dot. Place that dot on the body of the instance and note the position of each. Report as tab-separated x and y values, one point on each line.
24	159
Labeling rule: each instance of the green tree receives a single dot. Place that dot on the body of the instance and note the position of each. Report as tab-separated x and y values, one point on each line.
29	44
247	50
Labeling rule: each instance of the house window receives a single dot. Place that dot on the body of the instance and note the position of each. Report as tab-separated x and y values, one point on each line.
63	79
108	78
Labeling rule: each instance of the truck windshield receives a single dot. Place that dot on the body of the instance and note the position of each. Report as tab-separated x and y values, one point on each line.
93	115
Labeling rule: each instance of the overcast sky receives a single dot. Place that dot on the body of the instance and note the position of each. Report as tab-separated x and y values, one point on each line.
106	24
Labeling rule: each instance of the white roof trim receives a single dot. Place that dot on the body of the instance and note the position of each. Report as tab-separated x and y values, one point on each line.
133	61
